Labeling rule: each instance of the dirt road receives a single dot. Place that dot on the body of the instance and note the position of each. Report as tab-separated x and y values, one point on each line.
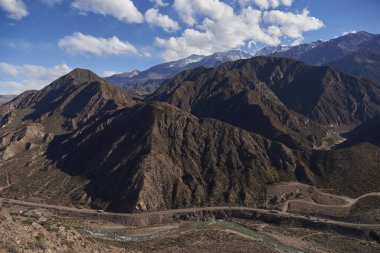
187	210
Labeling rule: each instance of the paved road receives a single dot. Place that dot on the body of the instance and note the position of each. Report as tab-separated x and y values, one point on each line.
187	210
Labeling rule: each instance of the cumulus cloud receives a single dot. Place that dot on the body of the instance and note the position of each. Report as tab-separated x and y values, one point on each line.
123	10
266	4
154	18
159	3
189	10
19	78
82	43
16	9
292	25
214	25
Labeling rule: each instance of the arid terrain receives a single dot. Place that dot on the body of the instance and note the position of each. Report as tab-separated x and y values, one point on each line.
225	159
47	230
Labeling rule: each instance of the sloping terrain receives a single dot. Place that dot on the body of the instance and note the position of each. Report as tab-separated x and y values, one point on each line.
223	137
320	52
355	53
71	100
256	94
323	94
362	63
156	157
237	96
337	48
351	170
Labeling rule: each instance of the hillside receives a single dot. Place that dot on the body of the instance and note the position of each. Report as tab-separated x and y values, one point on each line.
69	101
362	63
322	94
220	139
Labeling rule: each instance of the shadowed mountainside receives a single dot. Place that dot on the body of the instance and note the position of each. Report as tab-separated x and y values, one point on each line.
251	93
222	138
156	156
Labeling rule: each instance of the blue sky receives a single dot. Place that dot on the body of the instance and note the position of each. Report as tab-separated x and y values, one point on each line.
43	39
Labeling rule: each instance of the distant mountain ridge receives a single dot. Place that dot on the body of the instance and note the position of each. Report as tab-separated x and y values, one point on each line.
147	81
357	54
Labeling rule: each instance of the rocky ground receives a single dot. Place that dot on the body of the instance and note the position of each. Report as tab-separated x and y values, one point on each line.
37	230
34	232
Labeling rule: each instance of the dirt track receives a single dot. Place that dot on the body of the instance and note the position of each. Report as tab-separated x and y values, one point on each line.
349	202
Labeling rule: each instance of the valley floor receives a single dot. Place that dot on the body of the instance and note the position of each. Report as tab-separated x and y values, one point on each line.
39	229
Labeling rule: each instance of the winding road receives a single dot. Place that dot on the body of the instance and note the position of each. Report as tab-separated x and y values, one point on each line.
188	210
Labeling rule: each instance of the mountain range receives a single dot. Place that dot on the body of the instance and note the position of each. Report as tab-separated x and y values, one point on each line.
147	81
206	136
355	53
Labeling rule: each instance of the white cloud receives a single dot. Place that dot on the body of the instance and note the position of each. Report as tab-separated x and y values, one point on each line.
292	25
189	10
159	3
81	43
220	29
16	9
19	78
266	4
214	25
123	10
109	73
154	18
345	33
51	2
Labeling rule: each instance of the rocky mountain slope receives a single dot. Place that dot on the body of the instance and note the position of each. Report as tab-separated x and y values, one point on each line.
206	137
362	63
322	94
147	81
70	101
353	53
295	52
156	156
